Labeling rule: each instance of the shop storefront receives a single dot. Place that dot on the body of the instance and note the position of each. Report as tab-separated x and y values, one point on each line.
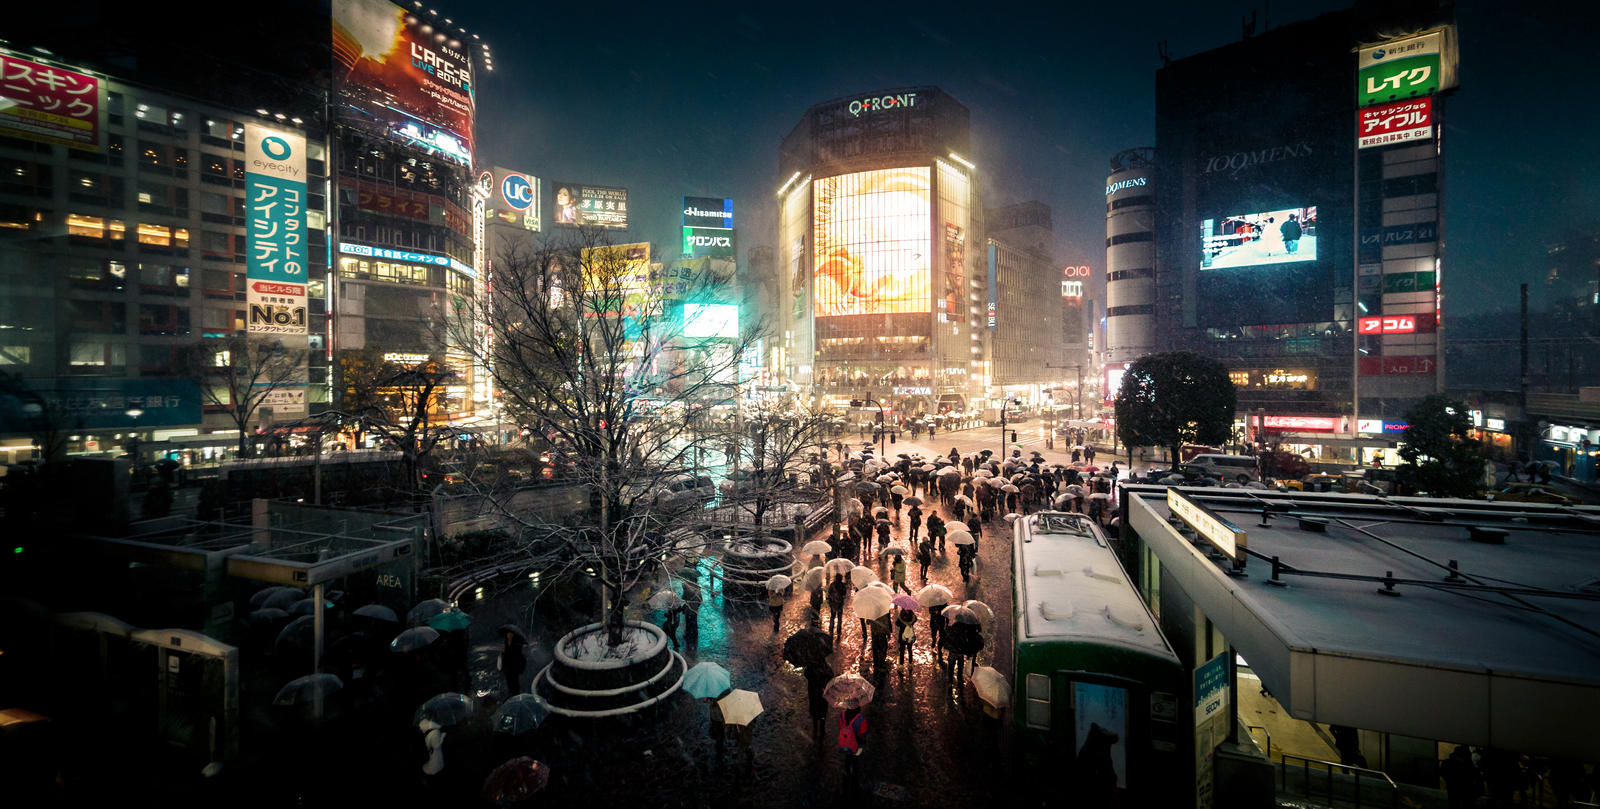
1572	447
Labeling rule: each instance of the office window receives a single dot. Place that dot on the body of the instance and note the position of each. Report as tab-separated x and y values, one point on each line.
97	354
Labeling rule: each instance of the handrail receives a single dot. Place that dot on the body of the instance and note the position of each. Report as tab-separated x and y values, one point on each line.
1305	767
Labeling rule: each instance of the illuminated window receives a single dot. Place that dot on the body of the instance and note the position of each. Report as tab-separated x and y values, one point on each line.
88	226
157	235
15	355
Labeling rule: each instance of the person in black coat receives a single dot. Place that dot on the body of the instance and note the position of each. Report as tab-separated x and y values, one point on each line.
512	663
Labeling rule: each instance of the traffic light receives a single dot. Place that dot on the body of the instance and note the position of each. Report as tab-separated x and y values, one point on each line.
891	437
1013	436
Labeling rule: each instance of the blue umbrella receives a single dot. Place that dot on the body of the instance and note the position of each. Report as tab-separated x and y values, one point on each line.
707	680
450	621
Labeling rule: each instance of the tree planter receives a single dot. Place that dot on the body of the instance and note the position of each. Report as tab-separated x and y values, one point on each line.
589	679
748	561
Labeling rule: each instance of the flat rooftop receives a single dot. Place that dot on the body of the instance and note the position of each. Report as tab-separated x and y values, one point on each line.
1367	626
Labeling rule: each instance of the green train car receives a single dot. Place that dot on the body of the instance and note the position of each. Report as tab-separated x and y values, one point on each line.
1096	686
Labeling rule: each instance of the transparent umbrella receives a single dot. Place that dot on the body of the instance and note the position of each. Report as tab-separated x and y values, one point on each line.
934	595
520	715
848	691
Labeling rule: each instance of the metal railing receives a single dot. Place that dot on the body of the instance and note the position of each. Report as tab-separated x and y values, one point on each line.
1267	751
1377	777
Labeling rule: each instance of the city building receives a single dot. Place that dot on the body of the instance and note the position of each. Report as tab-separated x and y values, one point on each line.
1025	342
1130	261
878	225
1305	259
124	247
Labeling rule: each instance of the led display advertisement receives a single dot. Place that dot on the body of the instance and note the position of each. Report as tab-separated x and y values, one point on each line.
872	242
275	224
1256	239
955	259
50	104
710	320
708	242
399	76
707	212
579	205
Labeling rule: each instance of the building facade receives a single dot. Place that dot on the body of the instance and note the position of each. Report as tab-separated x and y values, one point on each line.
1025	347
877	228
1130	259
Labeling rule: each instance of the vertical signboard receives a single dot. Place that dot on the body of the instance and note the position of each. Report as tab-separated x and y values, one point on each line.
50	104
1396	123
515	198
707	242
955	259
994	258
1211	718
275	209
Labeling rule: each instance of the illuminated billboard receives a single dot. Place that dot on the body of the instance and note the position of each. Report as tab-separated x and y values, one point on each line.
1256	239
397	75
514	198
50	104
707	242
579	205
707	212
872	242
710	320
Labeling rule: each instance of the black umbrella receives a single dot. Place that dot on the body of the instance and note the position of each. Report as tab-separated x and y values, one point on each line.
306	689
300	632
413	639
268	615
259	599
422	612
808	647
515	630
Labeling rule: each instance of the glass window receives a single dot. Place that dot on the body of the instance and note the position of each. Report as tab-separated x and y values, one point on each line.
216	319
217	281
215	203
218	128
155	235
92	227
316	220
213	165
214	243
150	112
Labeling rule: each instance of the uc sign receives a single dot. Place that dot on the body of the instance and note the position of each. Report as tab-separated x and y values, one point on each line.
518	192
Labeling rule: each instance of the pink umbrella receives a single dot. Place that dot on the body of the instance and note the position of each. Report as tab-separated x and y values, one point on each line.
906	602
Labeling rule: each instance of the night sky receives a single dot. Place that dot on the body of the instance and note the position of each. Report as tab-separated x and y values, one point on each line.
693	98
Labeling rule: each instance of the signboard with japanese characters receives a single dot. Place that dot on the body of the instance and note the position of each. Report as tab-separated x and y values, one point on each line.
285	400
1399	366
580	205
1405	68
275	204
1399	122
50	104
99	403
275	308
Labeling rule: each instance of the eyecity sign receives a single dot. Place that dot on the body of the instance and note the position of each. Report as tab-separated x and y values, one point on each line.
1135	182
877	103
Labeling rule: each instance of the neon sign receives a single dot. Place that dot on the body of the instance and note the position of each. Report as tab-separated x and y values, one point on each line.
1397	324
1313	424
882	103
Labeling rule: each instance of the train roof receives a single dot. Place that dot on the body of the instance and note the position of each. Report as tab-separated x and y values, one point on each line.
1070	586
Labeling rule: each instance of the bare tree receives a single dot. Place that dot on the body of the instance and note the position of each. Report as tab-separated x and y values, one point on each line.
405	404
778	447
45	418
585	343
239	374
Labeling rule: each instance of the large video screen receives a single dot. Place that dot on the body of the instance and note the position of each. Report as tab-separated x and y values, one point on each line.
872	234
1257	239
399	76
580	205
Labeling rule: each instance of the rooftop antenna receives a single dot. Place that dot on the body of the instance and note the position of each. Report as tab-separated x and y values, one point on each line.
1165	52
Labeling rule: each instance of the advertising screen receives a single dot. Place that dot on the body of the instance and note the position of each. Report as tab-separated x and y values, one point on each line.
400	77
1256	239
49	104
707	242
579	205
707	212
710	320
872	242
514	198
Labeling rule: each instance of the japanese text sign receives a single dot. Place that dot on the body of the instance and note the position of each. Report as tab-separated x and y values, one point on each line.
1403	69
1399	122
275	205
49	104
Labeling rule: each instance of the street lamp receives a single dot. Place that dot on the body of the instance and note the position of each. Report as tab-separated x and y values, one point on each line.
883	425
133	437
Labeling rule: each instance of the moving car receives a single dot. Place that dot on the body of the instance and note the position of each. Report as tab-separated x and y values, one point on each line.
1529	493
1241	468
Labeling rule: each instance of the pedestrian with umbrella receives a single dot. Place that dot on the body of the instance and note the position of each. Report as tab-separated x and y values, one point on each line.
924	558
936	531
851	693
512	660
883	532
817	676
776	587
916	519
905	624
935	597
897	496
897	574
838	590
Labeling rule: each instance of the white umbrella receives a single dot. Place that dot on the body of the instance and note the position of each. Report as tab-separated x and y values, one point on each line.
1099	496
899	490
816	547
880	511
934	595
861	576
664	600
1019	477
961	538
836	567
779	582
741	706
991	686
1009	489
813	579
985	615
961	498
952	526
871	603
856	506
885	478
983	473
1012	517
949	471
897	547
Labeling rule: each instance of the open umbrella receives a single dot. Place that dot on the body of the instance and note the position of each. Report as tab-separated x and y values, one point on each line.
838	567
848	691
1099	496
298	632
816	547
664	600
377	612
305	606
740	706
813	580
861	576
779	582
515	781
905	602
871	603
450	621
934	595
895	548
1010	488
282	599
885	479
706	680
807	648
413	639
951	526
446	709
303	690
422	612
948	472
961	538
269	615
1019	477
991	686
965	500
957	614
913	500
1012	517
899	490
867	486
522	714
985	615
880	512
258	599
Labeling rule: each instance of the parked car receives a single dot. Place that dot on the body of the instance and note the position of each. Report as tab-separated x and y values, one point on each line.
1287	465
1369	480
1320	482
1241	468
1529	493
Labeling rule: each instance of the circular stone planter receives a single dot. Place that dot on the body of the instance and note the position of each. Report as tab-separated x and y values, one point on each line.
589	679
748	561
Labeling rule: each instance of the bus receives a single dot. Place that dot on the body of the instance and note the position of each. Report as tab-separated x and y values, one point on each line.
1093	674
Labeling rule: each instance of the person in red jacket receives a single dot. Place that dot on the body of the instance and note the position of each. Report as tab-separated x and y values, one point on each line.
852	729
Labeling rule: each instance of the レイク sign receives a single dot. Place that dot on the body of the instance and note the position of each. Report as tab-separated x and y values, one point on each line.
1396	123
1402	69
882	103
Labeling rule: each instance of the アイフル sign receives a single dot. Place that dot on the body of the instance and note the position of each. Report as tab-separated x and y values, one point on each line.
1399	122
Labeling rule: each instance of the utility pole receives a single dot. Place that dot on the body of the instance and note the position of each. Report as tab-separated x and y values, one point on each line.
1525	435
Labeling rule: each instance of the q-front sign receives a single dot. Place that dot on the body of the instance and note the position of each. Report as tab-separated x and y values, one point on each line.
1219	532
877	103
